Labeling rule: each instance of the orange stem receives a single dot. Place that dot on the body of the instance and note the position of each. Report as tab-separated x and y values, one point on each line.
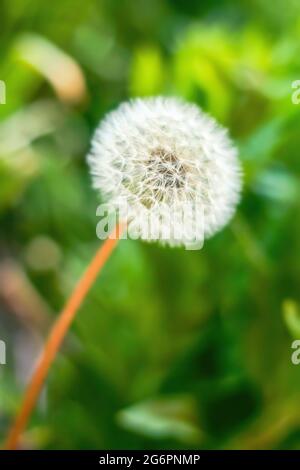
57	334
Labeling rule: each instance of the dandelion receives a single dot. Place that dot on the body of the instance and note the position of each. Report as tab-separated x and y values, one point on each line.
155	158
161	158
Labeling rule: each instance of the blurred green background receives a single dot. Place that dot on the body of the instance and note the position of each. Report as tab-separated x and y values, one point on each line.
172	348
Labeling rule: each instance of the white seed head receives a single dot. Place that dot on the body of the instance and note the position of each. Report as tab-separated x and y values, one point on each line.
165	160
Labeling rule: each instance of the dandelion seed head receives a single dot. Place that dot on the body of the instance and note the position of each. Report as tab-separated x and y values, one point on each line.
161	158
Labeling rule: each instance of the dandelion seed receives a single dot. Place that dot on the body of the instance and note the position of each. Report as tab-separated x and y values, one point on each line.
160	158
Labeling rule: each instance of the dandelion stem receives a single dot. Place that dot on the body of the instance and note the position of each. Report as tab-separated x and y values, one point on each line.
57	334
